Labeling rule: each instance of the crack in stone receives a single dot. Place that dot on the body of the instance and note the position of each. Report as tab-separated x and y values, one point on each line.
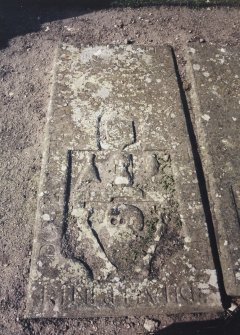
98	133
235	203
95	168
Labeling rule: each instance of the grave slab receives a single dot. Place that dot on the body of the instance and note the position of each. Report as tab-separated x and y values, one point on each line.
120	227
215	77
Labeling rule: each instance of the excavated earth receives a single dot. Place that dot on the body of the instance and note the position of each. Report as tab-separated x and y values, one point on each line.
29	38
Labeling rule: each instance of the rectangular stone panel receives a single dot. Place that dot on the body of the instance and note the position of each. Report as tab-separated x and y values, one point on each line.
120	226
215	95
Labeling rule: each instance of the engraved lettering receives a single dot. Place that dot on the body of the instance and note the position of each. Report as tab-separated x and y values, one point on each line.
68	296
123	170
47	250
185	294
81	296
171	294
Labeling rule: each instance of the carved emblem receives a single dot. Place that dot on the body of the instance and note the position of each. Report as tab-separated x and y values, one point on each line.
115	222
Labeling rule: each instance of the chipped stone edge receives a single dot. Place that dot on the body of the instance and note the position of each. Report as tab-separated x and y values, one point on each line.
231	286
139	312
45	150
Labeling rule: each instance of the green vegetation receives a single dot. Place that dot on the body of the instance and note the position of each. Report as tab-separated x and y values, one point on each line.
151	229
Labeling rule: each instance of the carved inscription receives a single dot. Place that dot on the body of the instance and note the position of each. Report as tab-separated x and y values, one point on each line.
106	296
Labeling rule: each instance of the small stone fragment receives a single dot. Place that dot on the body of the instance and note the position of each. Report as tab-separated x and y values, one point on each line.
129	41
196	67
151	325
205	117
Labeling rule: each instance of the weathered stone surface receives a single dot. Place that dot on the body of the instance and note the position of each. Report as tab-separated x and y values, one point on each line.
215	75
120	227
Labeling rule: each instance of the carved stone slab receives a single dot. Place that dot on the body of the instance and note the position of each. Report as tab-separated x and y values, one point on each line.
215	75
120	226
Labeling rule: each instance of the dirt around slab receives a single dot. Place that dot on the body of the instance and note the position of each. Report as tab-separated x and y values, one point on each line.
29	37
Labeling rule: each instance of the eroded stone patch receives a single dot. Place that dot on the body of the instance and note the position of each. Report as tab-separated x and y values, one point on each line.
120	226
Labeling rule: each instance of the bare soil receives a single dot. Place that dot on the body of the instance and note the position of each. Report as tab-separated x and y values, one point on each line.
29	36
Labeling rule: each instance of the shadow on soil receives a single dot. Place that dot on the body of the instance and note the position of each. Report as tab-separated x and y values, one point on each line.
225	326
19	17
